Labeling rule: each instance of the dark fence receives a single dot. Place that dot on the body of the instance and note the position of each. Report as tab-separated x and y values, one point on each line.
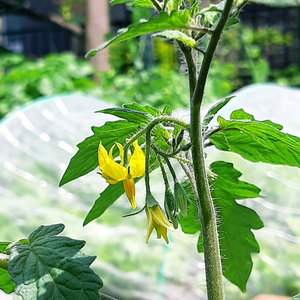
287	21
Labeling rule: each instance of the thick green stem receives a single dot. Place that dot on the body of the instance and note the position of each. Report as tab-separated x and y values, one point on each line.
215	289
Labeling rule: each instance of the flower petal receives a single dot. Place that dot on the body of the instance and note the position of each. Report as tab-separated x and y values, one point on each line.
137	161
111	171
150	226
130	191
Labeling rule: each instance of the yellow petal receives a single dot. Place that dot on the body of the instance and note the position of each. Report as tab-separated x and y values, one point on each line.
150	226
130	191
137	162
157	220
160	218
111	171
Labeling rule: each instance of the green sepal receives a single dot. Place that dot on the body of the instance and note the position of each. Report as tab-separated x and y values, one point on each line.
150	200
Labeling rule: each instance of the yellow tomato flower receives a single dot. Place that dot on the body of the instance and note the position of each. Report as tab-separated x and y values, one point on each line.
158	221
113	172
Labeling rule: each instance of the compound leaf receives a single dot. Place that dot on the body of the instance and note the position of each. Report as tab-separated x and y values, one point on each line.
237	242
176	20
257	141
53	267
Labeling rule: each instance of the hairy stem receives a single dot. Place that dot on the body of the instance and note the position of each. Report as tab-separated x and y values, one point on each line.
215	289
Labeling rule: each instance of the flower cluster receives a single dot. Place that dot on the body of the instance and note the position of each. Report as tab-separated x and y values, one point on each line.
114	172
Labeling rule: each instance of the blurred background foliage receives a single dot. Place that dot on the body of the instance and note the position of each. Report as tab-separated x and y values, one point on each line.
242	59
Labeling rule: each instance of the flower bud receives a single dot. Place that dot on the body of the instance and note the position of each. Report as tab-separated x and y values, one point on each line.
185	147
171	207
179	137
181	198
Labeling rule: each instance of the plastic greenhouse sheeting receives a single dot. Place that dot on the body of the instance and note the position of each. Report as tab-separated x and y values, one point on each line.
37	142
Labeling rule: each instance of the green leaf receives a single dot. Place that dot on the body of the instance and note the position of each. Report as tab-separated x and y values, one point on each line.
167	110
3	246
177	35
277	3
240	114
214	110
147	109
114	2
86	159
52	267
258	142
143	3
112	193
6	284
173	5
133	116
297	297
176	20
237	241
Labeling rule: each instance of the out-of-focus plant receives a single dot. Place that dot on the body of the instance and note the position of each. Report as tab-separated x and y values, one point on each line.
23	80
154	86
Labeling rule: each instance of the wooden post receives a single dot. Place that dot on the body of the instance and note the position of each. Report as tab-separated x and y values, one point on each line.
97	28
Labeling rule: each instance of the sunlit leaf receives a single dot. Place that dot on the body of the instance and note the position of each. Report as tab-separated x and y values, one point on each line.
6	284
214	110
258	141
237	241
277	3
133	116
176	20
143	3
173	5
3	246
146	108
114	2
177	35
53	267
86	159
112	193
297	297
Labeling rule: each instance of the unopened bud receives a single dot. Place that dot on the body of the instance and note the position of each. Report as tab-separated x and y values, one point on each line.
171	207
181	198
